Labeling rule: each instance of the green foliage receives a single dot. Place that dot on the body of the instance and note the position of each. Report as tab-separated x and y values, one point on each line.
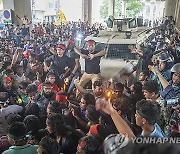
133	7
104	9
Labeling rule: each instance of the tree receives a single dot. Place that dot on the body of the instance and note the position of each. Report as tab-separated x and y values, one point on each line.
104	9
133	7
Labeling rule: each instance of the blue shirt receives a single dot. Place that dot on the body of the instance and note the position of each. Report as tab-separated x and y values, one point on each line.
157	132
170	91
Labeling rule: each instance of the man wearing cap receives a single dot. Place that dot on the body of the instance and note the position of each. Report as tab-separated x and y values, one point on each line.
59	63
92	58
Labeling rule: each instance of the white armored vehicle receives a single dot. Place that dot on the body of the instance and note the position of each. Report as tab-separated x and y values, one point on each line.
120	35
117	40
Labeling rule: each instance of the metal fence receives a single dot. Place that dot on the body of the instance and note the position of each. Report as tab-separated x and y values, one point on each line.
120	51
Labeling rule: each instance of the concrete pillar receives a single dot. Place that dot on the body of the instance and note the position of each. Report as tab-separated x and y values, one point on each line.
111	4
23	7
170	6
87	10
90	11
177	14
20	8
124	3
8	4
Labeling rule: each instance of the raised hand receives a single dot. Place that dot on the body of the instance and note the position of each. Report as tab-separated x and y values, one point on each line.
152	69
105	105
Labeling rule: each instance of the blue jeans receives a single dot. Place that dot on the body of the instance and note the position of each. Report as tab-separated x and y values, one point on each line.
71	86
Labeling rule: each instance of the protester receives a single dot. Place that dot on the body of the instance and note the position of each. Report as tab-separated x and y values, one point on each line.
40	72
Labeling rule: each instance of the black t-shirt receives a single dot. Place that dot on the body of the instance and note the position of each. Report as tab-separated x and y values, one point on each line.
73	57
58	64
92	66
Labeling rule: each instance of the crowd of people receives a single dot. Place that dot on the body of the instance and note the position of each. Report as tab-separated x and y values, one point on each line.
48	107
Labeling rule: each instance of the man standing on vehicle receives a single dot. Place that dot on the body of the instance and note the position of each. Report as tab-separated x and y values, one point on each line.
92	58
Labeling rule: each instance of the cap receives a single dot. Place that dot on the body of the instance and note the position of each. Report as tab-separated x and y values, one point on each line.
61	46
7	79
176	68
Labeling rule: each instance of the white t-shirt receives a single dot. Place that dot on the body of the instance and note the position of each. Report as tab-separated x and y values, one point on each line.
4	112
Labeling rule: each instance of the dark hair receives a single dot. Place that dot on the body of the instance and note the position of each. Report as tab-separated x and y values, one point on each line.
17	67
122	104
47	83
48	145
32	109
145	72
55	107
23	85
18	130
31	88
12	118
149	110
6	55
57	123
89	144
92	114
119	86
50	74
32	123
33	55
8	71
97	83
138	87
151	86
89	98
6	64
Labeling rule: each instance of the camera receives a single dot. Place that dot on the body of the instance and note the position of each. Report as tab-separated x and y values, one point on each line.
172	102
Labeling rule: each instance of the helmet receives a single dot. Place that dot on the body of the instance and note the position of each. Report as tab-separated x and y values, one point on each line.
114	142
176	68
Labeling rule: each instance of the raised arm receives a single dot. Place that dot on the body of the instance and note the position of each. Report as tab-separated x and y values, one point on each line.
119	122
163	81
79	87
79	53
